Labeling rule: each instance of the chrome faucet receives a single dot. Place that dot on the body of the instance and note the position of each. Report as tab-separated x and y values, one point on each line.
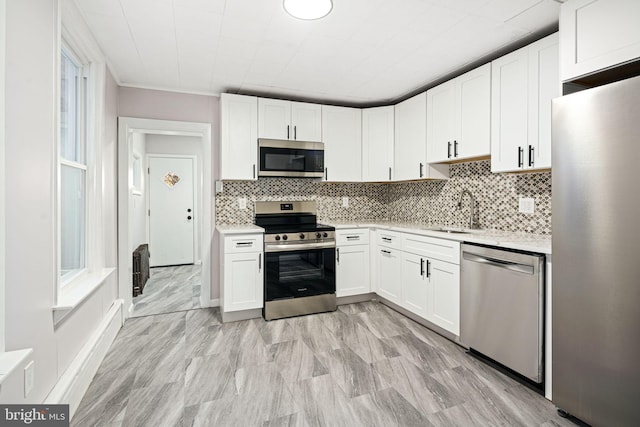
472	210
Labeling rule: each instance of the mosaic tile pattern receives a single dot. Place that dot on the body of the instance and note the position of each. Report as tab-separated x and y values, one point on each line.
424	202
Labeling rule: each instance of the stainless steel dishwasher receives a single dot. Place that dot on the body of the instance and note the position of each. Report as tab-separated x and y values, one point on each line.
502	307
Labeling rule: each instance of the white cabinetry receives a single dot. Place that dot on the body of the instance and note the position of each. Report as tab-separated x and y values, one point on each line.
415	284
278	119
242	273
377	143
597	34
523	84
239	136
410	145
352	262
458	117
388	266
342	137
444	280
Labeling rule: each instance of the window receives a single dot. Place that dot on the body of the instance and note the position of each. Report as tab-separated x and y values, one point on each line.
74	165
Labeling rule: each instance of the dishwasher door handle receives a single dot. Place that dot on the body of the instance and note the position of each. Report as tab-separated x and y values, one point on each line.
500	263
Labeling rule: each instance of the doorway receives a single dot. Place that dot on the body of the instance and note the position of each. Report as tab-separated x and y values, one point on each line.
165	200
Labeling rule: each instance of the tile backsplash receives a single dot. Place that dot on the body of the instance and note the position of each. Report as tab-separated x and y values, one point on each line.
424	202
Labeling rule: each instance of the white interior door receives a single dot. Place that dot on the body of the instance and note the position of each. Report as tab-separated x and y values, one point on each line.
171	211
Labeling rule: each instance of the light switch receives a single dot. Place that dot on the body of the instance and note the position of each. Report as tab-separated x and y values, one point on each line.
242	203
345	202
526	205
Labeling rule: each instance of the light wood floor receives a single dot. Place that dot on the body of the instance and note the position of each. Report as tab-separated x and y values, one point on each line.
363	365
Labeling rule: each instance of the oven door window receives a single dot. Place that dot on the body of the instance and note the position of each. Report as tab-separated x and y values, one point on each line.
291	160
299	273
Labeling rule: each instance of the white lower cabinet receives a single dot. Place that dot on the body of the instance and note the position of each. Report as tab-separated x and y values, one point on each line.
389	267
415	286
352	262
444	284
242	273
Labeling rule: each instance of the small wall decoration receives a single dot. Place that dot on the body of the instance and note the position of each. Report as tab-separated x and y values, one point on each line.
171	179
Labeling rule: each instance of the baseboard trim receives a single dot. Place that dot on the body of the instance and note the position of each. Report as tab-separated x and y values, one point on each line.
236	316
75	381
354	299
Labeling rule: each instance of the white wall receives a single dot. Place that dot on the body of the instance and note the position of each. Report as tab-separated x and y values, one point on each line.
32	54
138	201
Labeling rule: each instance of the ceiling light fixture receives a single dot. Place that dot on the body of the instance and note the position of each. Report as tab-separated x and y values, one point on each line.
308	9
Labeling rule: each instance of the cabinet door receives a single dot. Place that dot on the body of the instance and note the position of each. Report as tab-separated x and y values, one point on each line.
377	143
598	34
342	137
243	287
306	122
415	287
239	136
544	85
389	270
440	122
352	270
444	279
473	114
410	144
274	119
509	110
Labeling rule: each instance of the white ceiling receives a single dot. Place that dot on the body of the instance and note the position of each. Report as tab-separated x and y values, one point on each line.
364	52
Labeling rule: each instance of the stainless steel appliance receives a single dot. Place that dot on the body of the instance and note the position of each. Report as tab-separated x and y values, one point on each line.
502	307
290	158
596	254
299	259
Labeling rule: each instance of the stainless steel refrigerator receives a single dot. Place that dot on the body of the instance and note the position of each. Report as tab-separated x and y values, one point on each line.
596	254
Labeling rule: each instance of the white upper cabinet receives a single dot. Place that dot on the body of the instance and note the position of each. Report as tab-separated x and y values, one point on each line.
458	117
598	34
278	119
239	136
377	144
342	137
410	145
523	83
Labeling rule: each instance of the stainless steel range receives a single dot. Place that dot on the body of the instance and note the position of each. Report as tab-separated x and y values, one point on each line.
299	259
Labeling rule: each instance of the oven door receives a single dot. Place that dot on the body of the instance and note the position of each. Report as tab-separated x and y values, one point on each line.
291	158
299	273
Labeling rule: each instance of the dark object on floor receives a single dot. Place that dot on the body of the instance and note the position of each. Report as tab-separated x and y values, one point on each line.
140	268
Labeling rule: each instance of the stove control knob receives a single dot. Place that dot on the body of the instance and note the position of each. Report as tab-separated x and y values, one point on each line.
301	236
285	237
325	234
278	237
318	235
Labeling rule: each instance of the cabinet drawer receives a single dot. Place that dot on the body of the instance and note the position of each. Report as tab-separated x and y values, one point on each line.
389	239
243	243
358	236
442	249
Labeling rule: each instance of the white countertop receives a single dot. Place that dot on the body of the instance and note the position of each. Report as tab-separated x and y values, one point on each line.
540	243
239	229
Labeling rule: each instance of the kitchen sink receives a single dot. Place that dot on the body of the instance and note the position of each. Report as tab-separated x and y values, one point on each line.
453	230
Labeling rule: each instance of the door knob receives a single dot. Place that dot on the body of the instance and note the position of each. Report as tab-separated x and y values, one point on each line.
189	210
189	217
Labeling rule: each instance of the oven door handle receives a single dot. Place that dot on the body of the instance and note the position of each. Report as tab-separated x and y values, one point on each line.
299	246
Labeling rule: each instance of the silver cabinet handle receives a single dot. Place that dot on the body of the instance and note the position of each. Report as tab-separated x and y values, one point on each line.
338	255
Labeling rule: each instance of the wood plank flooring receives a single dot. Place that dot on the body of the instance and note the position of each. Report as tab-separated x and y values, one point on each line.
363	365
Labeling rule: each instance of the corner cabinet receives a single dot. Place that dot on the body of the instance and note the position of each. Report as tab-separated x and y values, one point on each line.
352	262
523	83
377	144
242	273
342	137
598	34
238	136
278	119
459	117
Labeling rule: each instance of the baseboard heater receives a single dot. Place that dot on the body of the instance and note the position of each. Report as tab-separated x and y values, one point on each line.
140	268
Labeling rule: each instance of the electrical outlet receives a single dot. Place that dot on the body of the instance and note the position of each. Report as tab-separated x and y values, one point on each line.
242	202
218	186
29	378
526	205
345	202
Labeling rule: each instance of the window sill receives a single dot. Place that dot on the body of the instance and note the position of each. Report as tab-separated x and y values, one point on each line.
71	296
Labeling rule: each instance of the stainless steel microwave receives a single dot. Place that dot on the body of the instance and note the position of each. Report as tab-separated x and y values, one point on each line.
290	158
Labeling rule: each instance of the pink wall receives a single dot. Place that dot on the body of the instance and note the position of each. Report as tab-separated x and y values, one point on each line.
161	105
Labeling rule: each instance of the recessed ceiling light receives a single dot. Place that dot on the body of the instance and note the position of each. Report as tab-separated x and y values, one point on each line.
308	9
